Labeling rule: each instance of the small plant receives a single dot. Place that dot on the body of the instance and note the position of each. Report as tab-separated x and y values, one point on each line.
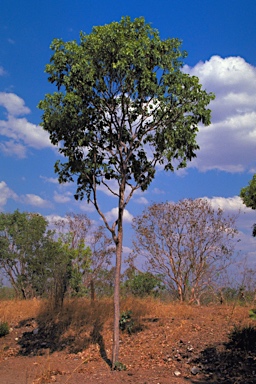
4	328
119	366
252	314
126	322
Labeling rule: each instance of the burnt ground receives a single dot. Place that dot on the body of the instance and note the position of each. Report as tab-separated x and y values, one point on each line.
215	344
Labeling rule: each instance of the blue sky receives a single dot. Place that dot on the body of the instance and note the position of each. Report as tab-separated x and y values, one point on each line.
220	38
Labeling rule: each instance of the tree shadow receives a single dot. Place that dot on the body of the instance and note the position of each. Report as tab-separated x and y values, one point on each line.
231	362
58	333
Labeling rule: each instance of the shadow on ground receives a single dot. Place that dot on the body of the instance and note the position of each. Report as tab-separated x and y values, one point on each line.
51	332
229	363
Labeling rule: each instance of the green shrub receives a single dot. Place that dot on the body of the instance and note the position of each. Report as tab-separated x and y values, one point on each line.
119	366
252	314
126	322
4	328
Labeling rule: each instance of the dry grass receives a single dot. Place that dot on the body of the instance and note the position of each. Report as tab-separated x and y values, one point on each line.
84	330
79	312
14	311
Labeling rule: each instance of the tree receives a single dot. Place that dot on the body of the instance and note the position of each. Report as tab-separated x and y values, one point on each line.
187	242
123	106
248	195
24	239
73	232
142	284
91	250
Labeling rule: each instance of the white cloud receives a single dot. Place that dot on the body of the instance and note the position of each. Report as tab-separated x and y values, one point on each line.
11	148
35	201
85	206
52	219
245	216
141	200
112	215
157	191
5	194
19	133
52	180
62	198
14	104
229	143
234	203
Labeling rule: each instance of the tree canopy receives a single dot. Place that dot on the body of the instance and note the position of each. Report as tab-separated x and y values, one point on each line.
123	106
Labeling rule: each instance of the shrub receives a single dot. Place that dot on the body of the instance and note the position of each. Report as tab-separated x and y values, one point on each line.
4	329
252	314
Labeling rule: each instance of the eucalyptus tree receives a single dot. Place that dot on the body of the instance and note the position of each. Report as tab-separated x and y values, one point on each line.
123	105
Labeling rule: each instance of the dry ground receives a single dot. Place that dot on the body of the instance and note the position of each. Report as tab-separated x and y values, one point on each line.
172	343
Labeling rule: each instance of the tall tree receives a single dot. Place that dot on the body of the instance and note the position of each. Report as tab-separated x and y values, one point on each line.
187	242
123	106
248	195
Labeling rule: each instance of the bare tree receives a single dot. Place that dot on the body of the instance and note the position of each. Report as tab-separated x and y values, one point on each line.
188	242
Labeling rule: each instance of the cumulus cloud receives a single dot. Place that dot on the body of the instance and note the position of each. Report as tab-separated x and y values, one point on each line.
18	132
141	200
229	143
35	200
5	194
14	104
52	180
112	215
62	198
245	217
234	203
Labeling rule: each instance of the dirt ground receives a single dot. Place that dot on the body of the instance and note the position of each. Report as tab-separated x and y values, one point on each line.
214	344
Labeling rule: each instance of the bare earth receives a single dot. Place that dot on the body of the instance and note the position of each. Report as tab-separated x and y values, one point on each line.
185	345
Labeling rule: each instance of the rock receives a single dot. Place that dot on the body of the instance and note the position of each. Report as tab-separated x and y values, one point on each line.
195	370
177	373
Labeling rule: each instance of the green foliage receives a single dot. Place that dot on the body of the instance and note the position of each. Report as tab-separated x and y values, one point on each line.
252	314
119	90
7	293
248	195
119	366
23	255
144	284
4	329
126	322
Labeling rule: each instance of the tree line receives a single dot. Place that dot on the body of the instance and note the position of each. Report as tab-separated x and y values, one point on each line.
183	248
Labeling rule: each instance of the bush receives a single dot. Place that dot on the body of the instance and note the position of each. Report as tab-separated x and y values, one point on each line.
252	314
4	329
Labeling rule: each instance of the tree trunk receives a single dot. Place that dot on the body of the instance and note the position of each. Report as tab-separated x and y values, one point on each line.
92	291
115	351
119	249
